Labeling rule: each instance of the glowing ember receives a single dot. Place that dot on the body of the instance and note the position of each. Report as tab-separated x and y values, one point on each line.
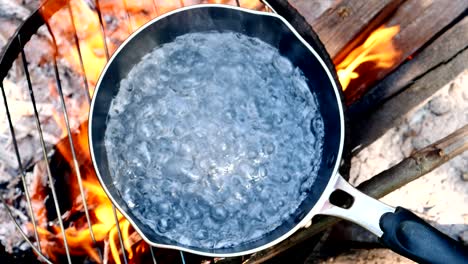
378	48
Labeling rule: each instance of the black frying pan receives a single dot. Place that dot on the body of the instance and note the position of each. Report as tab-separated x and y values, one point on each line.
397	228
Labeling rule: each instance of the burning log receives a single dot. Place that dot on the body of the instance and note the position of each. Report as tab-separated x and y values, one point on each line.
415	166
412	83
419	22
377	49
344	26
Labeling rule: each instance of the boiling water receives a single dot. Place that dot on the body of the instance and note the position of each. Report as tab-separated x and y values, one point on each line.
214	139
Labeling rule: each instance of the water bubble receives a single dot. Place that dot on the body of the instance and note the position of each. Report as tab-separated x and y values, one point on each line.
186	148
286	177
230	114
194	212
252	154
142	154
317	126
269	148
246	169
165	146
265	194
262	172
283	65
201	234
164	207
179	215
218	213
161	108
164	224
180	129
305	187
178	167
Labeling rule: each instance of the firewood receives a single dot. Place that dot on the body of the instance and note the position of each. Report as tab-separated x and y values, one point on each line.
311	9
411	168
351	20
346	24
419	22
412	83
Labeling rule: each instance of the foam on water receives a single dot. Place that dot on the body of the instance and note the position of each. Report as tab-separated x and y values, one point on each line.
214	139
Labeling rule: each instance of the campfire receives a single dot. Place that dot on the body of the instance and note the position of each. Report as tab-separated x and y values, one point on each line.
87	33
376	49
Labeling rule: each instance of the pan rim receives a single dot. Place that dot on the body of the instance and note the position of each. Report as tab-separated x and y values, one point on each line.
323	197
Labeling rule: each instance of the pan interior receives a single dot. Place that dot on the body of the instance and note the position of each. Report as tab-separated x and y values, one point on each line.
214	139
270	30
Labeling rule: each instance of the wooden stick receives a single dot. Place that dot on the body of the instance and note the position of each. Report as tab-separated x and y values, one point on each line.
416	165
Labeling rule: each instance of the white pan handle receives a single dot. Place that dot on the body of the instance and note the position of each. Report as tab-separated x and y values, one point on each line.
364	211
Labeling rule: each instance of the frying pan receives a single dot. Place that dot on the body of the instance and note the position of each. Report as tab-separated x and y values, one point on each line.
397	228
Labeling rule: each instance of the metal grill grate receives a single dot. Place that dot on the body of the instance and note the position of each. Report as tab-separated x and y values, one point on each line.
15	48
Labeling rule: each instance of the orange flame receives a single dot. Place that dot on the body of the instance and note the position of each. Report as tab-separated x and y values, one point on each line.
128	15
104	226
377	48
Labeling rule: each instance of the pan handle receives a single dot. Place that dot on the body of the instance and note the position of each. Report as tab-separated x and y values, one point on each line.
398	229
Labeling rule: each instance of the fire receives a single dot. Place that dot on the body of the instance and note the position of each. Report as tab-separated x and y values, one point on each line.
377	48
121	19
128	16
104	226
79	236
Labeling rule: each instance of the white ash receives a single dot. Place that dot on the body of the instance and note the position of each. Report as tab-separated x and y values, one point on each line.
38	53
441	196
214	139
48	106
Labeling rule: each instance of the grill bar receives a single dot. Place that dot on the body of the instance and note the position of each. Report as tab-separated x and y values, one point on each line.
131	26
36	250
44	150
155	6
78	48
119	232
152	255
101	26
114	210
71	143
182	257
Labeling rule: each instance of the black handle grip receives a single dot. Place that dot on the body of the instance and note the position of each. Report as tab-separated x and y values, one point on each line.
410	236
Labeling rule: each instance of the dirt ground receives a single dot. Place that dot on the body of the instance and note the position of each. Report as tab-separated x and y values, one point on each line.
440	197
